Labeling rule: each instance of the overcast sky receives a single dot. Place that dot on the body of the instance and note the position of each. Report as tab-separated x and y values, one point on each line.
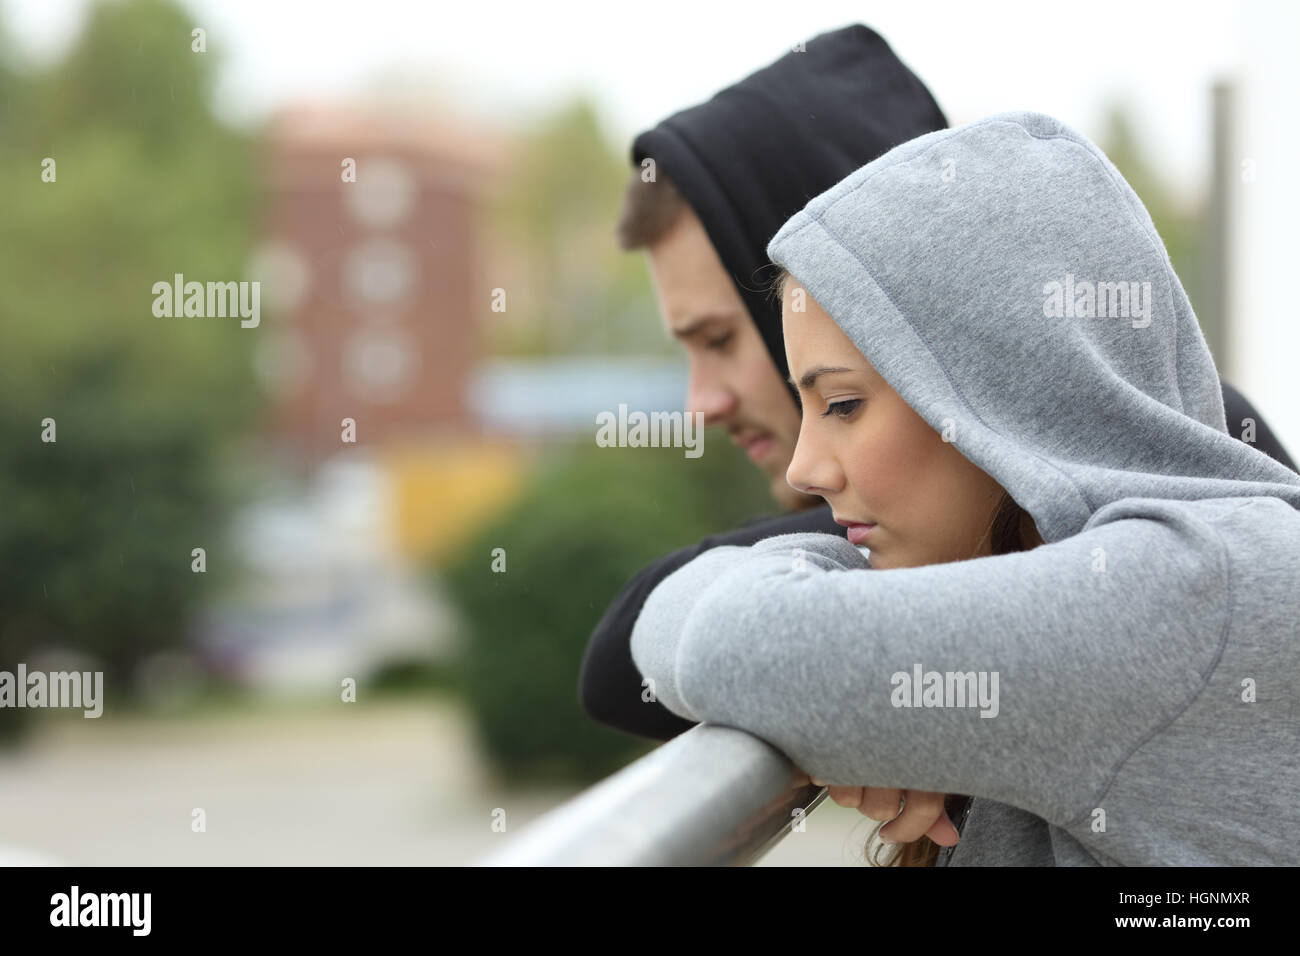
503	61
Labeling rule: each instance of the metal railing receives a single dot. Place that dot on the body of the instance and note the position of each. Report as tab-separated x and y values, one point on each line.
711	796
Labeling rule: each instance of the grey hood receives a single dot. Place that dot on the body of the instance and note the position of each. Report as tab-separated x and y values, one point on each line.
1008	283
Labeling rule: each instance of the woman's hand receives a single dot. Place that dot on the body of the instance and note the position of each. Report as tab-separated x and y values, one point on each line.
922	814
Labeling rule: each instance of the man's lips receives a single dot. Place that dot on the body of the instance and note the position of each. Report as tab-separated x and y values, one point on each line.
858	531
756	446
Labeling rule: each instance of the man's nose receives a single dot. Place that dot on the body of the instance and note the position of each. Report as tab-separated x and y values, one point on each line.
714	399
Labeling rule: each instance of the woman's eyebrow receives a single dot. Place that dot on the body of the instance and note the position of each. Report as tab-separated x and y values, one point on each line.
809	377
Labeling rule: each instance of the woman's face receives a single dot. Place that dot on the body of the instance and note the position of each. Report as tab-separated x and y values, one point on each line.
874	459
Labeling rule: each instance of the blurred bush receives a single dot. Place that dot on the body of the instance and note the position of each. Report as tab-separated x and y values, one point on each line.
592	518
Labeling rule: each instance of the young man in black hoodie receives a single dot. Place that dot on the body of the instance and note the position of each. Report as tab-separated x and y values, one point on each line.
710	186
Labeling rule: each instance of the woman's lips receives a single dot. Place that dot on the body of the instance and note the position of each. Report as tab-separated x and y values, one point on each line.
858	533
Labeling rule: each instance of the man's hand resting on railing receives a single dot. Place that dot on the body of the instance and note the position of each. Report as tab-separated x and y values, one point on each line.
922	815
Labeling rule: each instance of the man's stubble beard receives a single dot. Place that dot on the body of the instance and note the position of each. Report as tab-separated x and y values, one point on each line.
791	500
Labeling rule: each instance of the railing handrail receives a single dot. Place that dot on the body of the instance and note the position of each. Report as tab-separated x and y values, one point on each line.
711	796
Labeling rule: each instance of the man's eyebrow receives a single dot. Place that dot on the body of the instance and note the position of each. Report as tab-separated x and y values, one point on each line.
690	328
809	377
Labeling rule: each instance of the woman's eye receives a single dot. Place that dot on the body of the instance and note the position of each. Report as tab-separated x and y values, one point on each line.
842	409
719	342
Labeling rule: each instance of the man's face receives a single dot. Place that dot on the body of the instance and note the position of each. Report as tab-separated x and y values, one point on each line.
733	380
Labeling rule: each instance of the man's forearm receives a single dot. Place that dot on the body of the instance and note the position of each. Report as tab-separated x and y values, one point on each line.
610	686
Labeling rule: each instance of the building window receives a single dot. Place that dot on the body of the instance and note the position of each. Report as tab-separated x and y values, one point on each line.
379	366
379	271
383	195
282	363
284	274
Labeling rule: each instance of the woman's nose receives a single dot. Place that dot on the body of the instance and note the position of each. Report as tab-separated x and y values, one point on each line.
811	471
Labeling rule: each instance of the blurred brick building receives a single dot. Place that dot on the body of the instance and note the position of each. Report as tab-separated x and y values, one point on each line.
370	273
375	300
377	293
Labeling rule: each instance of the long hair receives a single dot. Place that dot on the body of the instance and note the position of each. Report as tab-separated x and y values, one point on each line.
1012	529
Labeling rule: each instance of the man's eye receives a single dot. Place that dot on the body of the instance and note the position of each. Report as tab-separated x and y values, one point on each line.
719	342
842	409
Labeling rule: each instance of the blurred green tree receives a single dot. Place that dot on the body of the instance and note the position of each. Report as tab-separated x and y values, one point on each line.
97	527
552	225
1179	221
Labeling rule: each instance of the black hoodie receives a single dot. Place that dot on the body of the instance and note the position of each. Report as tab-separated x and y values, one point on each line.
752	156
746	161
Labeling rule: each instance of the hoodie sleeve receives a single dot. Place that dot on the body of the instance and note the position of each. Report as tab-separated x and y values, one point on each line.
609	686
1089	647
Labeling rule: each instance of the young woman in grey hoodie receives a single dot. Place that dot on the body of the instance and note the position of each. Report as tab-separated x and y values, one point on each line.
1084	610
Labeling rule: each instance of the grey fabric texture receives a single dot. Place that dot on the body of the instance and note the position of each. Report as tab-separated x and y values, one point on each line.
1147	655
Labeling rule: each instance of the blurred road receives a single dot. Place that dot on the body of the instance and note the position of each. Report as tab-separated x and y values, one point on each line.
396	782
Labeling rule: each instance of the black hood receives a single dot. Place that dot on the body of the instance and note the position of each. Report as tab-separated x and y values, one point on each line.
752	156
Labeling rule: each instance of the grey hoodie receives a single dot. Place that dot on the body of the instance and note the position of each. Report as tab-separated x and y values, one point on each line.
1127	693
